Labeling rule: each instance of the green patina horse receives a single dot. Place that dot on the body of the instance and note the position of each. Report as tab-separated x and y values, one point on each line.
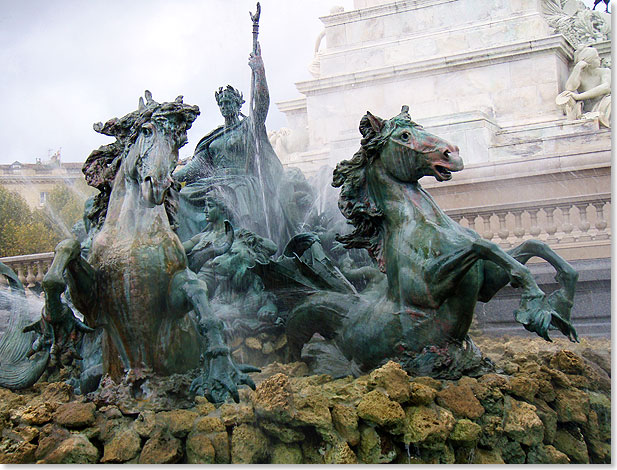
436	269
135	283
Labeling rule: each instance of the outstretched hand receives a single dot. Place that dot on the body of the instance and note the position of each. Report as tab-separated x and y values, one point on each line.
221	378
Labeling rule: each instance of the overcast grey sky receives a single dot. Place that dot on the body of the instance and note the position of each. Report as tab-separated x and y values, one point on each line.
70	63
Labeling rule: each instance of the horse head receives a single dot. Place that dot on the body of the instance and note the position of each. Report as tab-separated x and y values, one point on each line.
147	143
404	151
407	151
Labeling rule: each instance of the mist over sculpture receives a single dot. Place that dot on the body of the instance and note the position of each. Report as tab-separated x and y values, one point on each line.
236	163
135	284
436	270
168	275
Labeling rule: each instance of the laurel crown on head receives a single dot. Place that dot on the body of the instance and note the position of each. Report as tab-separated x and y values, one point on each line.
230	92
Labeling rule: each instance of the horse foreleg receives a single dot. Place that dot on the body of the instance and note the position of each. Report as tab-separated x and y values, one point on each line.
537	312
561	300
59	327
69	267
221	375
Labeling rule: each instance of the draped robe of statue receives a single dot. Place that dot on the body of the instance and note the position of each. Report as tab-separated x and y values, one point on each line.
238	165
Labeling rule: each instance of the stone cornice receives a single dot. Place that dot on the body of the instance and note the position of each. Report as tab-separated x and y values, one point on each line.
295	104
38	179
468	59
430	32
564	165
379	10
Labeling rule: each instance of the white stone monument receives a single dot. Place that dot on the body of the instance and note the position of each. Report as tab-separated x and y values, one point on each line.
478	73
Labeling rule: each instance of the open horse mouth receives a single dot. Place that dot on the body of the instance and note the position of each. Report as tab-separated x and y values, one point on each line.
442	173
448	163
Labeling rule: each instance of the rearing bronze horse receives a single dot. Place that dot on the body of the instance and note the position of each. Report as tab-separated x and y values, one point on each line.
436	269
135	283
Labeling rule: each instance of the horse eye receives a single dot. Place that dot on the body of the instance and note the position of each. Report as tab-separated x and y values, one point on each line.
146	131
405	136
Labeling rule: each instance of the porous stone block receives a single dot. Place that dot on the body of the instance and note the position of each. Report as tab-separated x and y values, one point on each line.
248	445
521	423
125	446
376	407
75	415
161	448
461	400
286	454
199	449
76	449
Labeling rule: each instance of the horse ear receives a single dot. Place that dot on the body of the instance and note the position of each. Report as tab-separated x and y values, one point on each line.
376	122
370	123
179	99
148	96
141	106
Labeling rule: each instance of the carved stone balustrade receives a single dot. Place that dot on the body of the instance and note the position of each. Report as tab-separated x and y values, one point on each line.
576	226
29	268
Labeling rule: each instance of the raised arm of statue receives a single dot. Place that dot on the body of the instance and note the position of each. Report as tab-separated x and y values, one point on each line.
604	88
574	80
262	95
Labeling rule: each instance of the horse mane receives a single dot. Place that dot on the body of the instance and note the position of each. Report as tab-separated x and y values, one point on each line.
355	203
102	165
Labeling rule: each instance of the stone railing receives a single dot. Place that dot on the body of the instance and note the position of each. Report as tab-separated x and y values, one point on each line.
578	220
575	221
29	268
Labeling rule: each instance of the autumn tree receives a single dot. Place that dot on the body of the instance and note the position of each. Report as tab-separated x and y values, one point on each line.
23	231
64	206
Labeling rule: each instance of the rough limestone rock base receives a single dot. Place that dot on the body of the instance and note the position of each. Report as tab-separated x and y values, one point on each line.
550	404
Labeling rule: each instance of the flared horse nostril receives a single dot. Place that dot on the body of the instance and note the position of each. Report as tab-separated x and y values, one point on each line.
446	155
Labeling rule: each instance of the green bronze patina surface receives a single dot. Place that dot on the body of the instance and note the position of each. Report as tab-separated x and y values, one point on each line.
237	164
436	269
135	284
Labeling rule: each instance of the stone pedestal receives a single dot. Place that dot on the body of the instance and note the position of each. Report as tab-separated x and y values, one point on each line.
467	68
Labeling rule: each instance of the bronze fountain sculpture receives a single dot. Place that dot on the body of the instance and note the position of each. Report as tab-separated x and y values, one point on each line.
158	310
436	269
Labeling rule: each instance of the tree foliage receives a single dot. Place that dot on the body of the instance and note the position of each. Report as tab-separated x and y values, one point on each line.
26	231
65	206
22	231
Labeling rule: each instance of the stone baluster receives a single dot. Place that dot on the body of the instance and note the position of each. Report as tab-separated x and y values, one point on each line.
567	226
458	218
583	224
551	228
40	271
534	229
19	270
471	219
519	230
488	234
601	223
503	232
30	278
